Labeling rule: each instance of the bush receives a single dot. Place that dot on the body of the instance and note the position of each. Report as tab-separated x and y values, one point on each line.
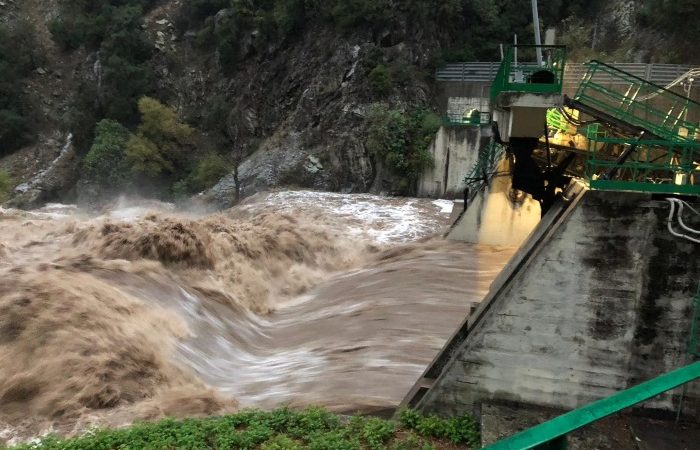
281	429
159	146
353	13
401	141
6	185
105	165
460	429
380	80
115	29
209	171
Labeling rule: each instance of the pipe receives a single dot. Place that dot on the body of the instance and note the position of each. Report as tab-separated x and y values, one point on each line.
538	39
670	221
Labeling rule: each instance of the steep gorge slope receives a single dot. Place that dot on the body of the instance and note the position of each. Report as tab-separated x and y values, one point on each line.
288	93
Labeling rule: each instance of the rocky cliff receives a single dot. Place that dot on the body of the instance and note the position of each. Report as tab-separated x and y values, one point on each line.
294	111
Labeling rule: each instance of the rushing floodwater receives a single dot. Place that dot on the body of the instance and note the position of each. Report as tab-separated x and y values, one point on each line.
292	298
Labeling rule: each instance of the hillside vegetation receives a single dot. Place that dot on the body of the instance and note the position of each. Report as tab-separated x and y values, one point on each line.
266	85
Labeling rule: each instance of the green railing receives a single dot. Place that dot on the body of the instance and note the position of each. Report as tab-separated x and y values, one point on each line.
484	168
653	166
526	75
557	121
552	435
666	114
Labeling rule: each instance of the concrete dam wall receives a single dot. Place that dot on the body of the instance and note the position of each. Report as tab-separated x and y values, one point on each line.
455	150
596	300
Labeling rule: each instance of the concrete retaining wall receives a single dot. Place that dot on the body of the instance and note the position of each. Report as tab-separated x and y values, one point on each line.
599	301
455	150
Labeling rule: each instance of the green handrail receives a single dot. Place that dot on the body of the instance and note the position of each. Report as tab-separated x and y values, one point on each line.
659	166
525	75
552	434
489	156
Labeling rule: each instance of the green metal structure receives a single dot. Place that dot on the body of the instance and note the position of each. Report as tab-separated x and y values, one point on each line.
482	171
659	166
552	434
665	114
519	73
557	121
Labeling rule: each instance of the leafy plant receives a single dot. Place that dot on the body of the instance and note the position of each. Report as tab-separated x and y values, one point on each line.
460	429
380	80
401	141
377	432
282	429
105	163
115	29
6	185
160	140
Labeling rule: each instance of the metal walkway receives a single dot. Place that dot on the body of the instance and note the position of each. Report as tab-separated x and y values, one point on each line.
484	72
640	103
552	434
646	138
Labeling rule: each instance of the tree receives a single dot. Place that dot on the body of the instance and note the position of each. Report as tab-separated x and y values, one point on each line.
160	143
401	141
6	184
234	133
380	80
209	171
105	164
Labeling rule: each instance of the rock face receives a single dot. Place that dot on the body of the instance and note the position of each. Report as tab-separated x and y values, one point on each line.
307	108
53	182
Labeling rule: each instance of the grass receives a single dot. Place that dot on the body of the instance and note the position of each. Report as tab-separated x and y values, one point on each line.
282	429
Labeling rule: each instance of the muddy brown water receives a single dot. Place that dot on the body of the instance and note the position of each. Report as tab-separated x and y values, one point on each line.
295	298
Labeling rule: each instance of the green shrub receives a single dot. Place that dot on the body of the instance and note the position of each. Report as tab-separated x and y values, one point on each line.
401	141
115	29
210	169
66	34
280	442
460	429
380	80
352	13
6	185
104	165
377	432
401	73
160	143
283	429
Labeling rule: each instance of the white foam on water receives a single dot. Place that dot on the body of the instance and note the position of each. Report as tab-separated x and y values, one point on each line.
445	206
382	219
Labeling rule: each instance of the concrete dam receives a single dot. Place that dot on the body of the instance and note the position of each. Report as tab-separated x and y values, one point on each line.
599	309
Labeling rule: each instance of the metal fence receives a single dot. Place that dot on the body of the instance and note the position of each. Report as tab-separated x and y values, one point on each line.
485	72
